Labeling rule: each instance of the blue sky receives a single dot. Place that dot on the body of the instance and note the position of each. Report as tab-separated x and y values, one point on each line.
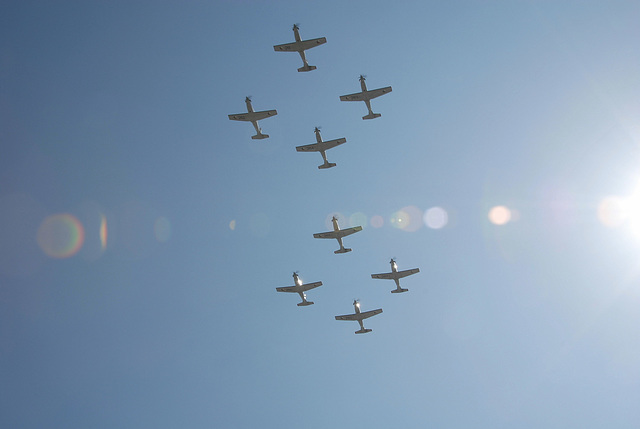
114	116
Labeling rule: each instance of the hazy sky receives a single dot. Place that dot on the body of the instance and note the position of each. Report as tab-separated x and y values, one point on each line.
143	234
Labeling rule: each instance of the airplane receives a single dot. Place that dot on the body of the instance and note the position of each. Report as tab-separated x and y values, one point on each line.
366	95
300	289
300	46
359	317
338	233
396	275
321	147
254	117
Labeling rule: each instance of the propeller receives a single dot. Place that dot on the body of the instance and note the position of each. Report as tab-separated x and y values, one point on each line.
363	77
296	26
248	98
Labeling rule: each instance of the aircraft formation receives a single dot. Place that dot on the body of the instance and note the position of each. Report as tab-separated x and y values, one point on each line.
365	95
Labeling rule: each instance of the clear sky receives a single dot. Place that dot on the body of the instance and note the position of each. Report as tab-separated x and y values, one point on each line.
143	234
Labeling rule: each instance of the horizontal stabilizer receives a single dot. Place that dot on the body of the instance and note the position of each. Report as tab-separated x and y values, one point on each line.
399	290
327	165
306	68
343	250
363	331
260	136
305	303
372	116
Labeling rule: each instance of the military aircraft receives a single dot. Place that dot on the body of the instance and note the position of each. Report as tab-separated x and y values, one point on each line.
254	117
396	275
300	289
366	95
322	146
359	317
338	233
300	46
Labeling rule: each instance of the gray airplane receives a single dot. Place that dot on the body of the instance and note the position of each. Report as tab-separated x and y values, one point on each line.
300	46
366	95
359	317
300	289
396	275
322	146
338	233
254	117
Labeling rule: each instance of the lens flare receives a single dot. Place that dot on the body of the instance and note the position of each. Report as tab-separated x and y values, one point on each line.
407	218
60	236
103	232
436	218
499	215
377	221
358	219
232	225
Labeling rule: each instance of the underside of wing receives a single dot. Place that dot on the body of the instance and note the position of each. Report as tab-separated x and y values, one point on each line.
253	116
331	143
378	92
386	276
359	96
313	147
348	317
367	314
317	147
349	231
312	43
330	234
406	273
287	47
289	289
309	286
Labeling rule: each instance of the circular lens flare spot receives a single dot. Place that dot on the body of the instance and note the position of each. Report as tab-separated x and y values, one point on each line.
499	215
232	225
358	219
60	236
400	219
162	229
377	221
436	218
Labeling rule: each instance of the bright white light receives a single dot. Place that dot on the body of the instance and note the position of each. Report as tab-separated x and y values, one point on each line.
436	218
499	215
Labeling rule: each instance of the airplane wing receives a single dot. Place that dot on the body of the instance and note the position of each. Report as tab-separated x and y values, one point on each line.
348	317
309	286
386	276
359	96
359	316
406	273
338	234
349	231
396	275
330	234
301	288
367	314
289	289
316	147
253	116
378	92
300	46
